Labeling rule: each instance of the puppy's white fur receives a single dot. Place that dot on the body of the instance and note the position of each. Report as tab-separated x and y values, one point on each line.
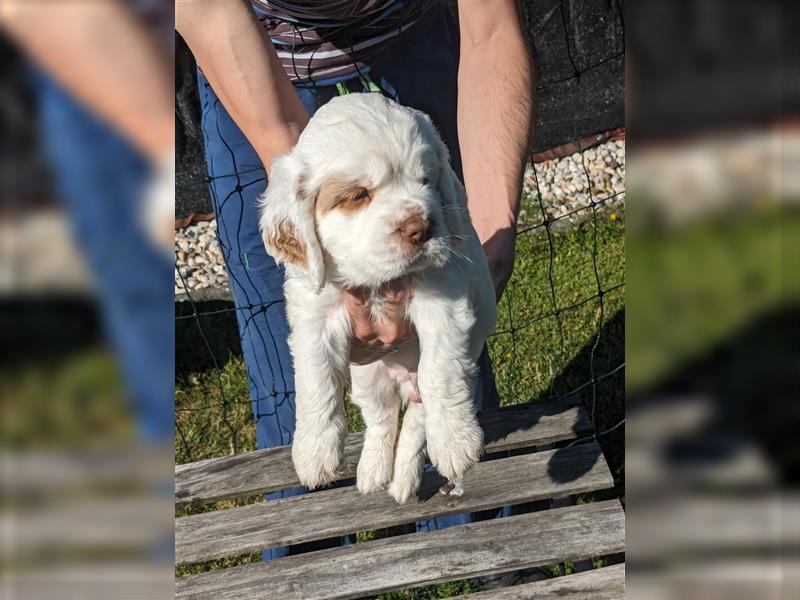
394	152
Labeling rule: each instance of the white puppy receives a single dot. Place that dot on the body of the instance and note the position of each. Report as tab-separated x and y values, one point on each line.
367	196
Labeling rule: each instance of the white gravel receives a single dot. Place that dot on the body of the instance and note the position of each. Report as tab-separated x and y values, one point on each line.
198	260
564	187
562	183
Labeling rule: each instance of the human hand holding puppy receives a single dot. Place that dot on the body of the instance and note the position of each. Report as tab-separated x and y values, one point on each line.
375	338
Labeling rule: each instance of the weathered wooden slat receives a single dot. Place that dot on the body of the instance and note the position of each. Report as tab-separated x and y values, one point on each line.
719	577
26	476
709	524
88	577
271	469
471	550
598	584
329	513
92	523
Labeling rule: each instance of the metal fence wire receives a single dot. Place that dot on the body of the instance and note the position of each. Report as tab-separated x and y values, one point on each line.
596	362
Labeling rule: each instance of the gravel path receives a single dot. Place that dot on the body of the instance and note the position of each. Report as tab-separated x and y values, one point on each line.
562	183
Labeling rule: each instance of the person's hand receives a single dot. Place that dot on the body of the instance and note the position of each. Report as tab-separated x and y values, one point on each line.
157	210
500	252
373	338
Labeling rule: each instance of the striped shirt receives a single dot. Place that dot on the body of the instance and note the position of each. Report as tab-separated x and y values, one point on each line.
328	41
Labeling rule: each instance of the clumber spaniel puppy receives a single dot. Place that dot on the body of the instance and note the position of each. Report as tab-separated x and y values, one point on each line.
368	196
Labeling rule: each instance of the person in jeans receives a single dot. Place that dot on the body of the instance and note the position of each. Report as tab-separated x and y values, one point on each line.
105	120
266	66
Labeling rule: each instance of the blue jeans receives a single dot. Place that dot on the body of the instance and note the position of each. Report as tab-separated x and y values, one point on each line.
421	73
100	179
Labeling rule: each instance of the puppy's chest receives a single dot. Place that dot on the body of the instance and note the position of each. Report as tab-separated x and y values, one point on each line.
402	374
401	365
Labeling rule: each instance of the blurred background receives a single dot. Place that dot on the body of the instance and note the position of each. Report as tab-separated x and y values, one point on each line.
86	376
713	343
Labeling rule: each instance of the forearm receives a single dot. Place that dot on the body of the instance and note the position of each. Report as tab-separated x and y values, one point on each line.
105	58
243	68
494	114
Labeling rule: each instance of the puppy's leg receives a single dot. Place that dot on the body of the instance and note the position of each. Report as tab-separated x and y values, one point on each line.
375	394
320	349
455	489
453	435
410	455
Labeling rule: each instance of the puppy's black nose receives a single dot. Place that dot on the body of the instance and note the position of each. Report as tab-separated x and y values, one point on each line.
416	230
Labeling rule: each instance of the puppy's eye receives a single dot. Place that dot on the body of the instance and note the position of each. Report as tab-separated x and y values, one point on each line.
424	181
356	197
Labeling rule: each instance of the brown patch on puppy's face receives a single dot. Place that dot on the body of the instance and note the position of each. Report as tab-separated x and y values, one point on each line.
337	194
282	240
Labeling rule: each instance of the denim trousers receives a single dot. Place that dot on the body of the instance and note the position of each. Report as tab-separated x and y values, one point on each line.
100	179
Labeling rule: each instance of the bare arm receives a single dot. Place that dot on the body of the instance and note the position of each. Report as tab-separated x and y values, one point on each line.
107	60
243	68
495	102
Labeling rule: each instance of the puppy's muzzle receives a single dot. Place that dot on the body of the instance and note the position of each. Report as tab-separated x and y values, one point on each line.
415	231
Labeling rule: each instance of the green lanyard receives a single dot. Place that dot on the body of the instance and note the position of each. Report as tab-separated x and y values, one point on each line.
366	81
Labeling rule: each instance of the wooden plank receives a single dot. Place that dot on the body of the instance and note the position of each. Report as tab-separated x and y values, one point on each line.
719	577
711	525
330	513
651	474
598	584
26	476
271	469
471	550
89	577
94	523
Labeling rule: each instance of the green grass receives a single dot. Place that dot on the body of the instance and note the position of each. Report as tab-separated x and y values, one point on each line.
692	287
542	329
205	426
72	400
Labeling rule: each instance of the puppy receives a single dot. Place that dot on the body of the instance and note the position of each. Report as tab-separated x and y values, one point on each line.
368	196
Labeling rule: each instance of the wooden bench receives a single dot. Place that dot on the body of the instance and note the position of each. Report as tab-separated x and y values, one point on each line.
534	471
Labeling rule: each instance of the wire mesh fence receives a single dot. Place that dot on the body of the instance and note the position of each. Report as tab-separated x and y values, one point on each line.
561	321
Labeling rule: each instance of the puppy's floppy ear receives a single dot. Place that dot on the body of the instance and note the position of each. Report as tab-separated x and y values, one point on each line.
451	190
454	198
287	221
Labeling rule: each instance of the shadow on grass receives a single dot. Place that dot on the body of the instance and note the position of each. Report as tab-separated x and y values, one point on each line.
589	378
602	392
746	387
206	340
41	329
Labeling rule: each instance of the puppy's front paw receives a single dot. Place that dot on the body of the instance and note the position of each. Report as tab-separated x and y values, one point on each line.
454	447
374	469
318	456
403	488
407	477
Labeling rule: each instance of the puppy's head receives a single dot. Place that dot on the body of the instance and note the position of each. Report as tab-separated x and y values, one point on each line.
366	196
